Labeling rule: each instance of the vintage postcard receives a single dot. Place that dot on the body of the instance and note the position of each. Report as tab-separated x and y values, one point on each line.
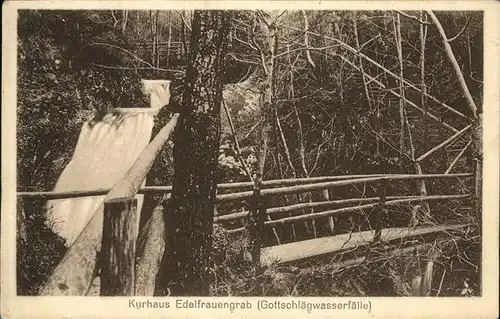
193	159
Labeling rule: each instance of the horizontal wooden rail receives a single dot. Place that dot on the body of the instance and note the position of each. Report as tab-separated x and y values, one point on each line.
329	213
172	43
394	201
168	189
240	196
63	195
222	198
73	276
296	207
296	181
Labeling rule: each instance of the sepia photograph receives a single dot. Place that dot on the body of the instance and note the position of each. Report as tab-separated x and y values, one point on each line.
249	153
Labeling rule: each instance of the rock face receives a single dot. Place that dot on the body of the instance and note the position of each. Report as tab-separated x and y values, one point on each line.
242	100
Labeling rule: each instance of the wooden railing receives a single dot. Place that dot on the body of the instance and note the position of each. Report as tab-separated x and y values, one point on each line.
119	215
164	49
258	198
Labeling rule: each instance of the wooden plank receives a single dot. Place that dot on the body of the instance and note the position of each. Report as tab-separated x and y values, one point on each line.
334	244
118	247
68	280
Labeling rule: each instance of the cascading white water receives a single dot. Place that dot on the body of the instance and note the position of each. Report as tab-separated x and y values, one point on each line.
106	149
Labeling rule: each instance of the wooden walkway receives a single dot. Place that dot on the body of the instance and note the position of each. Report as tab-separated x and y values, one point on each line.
334	244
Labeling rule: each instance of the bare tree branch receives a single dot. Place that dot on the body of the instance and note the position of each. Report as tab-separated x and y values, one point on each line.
254	40
280	15
386	70
307	49
412	17
181	14
232	55
402	99
306	39
243	41
124	20
461	31
371	40
318	153
448	170
456	67
114	19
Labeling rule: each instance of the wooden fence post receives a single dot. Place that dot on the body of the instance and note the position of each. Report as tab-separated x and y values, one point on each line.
21	220
380	210
118	247
330	222
256	225
477	154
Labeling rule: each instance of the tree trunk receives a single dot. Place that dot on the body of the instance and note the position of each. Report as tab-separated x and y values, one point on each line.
183	38
153	37
423	209
124	21
423	91
266	44
365	86
190	224
157	39
397	31
169	41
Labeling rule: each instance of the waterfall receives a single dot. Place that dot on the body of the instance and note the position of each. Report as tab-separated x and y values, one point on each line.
107	147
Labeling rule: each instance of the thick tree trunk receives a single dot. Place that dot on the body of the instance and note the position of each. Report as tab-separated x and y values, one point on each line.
190	224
